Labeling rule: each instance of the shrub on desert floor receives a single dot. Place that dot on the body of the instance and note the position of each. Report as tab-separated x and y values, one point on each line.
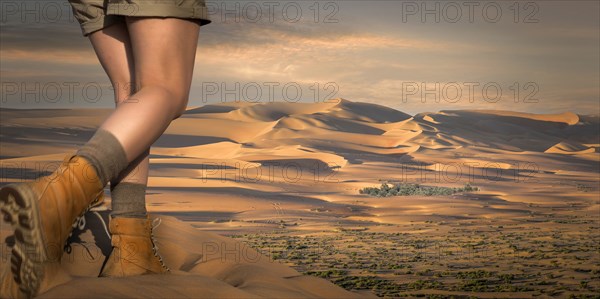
401	189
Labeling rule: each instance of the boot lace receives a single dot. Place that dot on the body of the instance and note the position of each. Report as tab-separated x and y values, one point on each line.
155	223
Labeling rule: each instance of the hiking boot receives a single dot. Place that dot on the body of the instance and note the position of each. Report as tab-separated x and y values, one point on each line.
134	249
43	213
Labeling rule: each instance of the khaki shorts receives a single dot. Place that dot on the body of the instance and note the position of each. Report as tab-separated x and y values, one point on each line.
94	15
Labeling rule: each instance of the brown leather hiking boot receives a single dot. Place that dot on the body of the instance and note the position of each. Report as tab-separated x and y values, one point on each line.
43	212
134	250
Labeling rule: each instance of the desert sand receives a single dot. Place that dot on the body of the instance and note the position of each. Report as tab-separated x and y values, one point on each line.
279	183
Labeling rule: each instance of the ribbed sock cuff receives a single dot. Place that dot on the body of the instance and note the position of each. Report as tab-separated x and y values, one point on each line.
128	200
106	154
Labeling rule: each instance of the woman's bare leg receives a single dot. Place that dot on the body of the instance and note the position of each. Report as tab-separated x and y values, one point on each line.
113	48
163	51
141	55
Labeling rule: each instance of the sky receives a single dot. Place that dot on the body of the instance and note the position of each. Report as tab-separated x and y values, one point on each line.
414	56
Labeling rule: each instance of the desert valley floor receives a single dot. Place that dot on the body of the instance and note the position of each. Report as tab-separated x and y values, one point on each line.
284	179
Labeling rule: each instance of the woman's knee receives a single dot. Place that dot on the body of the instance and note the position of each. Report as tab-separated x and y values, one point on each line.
173	99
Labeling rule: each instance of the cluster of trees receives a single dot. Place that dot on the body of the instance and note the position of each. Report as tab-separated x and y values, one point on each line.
399	189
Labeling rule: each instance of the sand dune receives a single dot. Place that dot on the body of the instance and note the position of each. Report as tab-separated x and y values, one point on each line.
271	173
569	118
570	148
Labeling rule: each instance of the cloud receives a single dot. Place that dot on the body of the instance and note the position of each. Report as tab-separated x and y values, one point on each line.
367	54
64	57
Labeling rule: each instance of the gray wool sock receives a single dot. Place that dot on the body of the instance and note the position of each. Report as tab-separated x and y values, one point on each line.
128	200
106	154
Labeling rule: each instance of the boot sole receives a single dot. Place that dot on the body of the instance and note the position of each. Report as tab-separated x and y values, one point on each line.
19	206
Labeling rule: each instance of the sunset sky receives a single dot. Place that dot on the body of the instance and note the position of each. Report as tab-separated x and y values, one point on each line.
545	53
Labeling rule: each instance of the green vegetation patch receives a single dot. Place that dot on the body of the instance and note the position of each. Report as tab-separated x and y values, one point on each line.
401	189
